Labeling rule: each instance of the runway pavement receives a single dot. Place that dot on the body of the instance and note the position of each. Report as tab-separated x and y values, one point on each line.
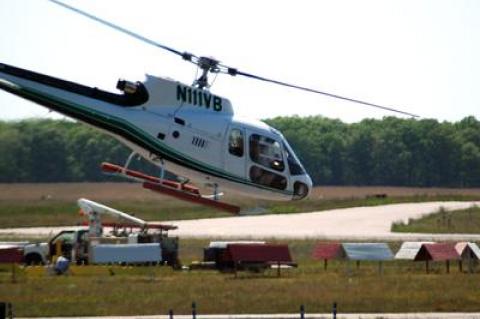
358	223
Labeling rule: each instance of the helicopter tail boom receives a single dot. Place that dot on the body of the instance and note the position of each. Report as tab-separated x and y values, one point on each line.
130	96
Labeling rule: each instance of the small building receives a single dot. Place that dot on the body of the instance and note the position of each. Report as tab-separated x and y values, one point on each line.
353	251
409	249
437	252
368	252
469	254
468	250
326	252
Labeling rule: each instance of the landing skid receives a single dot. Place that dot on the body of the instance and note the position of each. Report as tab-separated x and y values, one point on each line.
182	191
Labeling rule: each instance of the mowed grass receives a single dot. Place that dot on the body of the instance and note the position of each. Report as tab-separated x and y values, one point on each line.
63	213
116	290
457	221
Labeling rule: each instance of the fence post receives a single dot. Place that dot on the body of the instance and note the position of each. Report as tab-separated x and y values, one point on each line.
302	312
6	310
334	310
170	314
194	310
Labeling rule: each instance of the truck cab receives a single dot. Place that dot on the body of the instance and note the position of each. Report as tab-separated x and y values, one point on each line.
72	244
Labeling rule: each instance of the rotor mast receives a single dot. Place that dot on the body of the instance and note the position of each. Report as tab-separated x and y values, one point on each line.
207	65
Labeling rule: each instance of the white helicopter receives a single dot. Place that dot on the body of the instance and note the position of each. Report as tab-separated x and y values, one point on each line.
181	128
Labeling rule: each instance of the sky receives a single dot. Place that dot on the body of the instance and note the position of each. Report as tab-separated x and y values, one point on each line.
420	56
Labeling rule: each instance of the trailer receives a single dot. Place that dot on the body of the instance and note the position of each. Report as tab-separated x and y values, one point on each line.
214	256
11	253
256	256
23	252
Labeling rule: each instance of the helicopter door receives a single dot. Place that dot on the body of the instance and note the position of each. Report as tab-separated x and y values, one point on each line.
235	152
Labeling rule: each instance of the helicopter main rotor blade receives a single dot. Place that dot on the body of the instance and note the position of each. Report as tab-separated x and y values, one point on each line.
233	72
184	55
213	66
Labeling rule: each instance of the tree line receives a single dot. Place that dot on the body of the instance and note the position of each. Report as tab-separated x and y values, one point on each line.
390	151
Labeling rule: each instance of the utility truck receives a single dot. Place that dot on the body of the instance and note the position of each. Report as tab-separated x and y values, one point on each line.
131	241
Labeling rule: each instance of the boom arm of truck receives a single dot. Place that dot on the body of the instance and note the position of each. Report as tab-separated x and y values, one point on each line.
93	210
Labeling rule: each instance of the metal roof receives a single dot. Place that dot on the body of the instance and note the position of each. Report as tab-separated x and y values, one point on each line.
437	252
409	249
465	248
367	251
327	251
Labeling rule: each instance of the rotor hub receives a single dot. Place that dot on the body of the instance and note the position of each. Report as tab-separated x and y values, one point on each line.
207	65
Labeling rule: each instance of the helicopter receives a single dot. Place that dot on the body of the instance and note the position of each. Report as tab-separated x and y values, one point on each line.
184	129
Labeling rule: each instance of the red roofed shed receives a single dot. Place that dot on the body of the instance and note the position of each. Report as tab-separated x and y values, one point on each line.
437	252
327	251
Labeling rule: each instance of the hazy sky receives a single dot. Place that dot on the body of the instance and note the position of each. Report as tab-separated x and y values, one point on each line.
419	56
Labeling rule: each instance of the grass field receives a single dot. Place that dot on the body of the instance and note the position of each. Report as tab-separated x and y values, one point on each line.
97	290
55	204
466	221
116	290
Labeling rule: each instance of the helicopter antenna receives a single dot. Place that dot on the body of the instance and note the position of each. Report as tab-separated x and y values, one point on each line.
210	65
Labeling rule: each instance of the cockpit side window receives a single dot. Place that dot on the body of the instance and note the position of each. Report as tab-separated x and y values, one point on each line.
266	152
261	176
235	142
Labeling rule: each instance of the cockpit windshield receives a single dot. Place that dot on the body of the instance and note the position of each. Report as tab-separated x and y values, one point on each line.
293	163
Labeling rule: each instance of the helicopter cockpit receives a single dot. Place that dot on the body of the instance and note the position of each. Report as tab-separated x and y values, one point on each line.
274	163
269	160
